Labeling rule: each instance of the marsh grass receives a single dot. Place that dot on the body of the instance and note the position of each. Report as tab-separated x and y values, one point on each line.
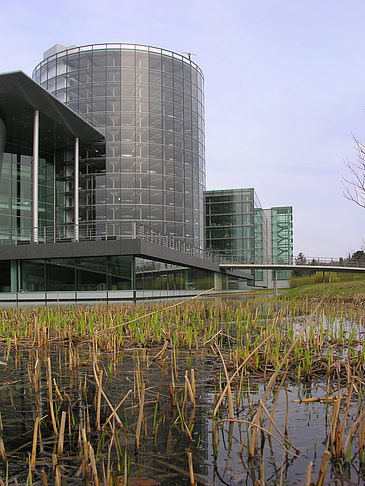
276	342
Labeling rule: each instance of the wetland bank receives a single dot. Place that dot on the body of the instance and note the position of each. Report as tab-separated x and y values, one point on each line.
264	391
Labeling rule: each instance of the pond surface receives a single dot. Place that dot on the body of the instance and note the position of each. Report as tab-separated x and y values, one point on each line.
169	429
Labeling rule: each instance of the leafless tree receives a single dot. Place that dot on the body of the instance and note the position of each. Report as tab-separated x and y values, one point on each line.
354	183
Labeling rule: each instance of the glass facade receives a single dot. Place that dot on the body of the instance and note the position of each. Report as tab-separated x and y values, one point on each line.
65	189
5	278
282	234
231	217
68	274
154	275
282	237
101	273
16	193
149	103
238	229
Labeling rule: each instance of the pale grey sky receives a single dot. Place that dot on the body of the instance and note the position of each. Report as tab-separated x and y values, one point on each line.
284	90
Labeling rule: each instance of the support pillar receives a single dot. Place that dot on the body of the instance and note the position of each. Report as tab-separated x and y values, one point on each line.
14	276
2	142
76	189
35	174
275	282
134	280
217	281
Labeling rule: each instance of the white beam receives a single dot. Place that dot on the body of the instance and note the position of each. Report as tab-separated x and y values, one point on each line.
76	189
35	174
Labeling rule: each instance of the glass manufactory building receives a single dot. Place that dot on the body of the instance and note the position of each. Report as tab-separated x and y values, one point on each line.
102	180
149	104
102	177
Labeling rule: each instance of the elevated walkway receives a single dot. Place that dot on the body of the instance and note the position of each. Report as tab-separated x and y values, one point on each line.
321	267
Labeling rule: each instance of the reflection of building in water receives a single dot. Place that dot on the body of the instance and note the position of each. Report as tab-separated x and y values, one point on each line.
162	435
152	275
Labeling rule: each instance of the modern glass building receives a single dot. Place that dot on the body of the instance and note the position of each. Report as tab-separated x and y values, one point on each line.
282	234
149	104
41	144
239	230
232	229
280	244
102	178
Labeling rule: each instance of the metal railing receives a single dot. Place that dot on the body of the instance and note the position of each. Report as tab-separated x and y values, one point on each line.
311	263
105	230
100	230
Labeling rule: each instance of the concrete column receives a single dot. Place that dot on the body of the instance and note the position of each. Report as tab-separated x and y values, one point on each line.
2	142
35	174
275	282
218	281
76	189
54	197
14	276
134	279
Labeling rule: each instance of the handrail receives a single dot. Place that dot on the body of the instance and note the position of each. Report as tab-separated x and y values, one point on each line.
101	230
107	230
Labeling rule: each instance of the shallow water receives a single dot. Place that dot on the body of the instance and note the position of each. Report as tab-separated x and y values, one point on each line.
164	443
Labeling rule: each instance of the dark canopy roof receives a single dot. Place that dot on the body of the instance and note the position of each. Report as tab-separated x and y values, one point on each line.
20	96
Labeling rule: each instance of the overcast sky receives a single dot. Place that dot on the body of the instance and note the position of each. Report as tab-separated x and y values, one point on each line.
284	90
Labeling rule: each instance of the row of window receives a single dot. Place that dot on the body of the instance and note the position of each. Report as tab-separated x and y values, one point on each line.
140	184
154	150
89	104
170	136
162	213
179	199
121	185
142	166
115	114
117	152
114	84
104	60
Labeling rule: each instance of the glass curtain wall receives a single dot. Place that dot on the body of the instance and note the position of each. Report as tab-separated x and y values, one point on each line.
230	224
102	273
153	275
149	103
16	193
70	274
282	237
94	153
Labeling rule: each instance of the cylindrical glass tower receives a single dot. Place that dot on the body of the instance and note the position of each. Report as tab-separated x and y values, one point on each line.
150	104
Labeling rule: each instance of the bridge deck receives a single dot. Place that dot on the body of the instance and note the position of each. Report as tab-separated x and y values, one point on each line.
273	266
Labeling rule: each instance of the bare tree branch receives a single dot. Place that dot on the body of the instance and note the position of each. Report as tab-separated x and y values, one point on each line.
354	184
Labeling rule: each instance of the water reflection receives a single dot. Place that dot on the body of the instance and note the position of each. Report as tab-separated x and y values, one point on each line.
168	415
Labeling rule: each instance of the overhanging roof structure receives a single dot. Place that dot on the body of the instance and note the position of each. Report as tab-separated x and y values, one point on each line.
121	247
20	96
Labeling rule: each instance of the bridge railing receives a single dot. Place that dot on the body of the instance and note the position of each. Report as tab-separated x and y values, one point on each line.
102	230
106	230
312	262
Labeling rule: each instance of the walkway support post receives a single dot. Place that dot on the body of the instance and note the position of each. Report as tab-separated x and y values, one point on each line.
76	189
275	282
217	281
14	276
35	174
134	280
